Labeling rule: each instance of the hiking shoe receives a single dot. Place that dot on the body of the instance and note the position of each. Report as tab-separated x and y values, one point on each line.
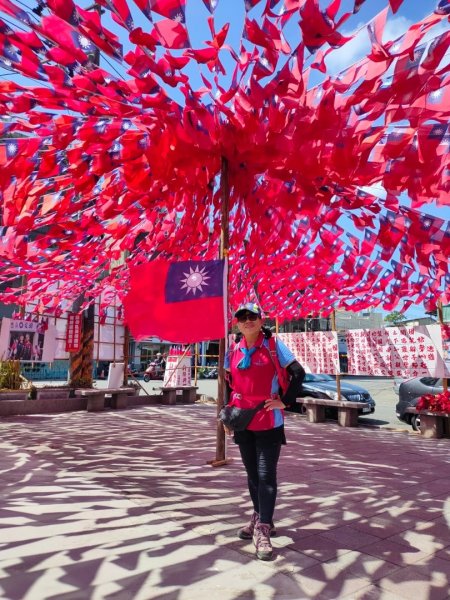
261	539
246	533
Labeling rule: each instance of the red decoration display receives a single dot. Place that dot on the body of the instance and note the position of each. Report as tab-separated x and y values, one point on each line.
330	174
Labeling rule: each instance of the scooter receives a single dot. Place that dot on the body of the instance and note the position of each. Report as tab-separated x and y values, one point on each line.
153	371
212	373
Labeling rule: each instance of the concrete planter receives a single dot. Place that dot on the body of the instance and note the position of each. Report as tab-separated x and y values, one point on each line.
9	408
14	395
52	393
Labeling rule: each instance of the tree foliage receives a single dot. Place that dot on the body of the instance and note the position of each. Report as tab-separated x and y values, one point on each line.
394	318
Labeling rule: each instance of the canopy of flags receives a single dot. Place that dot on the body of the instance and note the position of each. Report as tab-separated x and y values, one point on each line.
103	167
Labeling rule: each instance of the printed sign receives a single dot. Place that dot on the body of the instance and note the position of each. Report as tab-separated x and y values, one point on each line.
316	351
27	340
397	352
178	368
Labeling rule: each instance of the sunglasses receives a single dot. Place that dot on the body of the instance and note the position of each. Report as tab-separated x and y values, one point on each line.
247	317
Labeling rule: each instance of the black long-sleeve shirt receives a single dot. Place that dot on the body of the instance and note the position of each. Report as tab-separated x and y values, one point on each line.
297	373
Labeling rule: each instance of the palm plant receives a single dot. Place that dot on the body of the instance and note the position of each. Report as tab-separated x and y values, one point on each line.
10	377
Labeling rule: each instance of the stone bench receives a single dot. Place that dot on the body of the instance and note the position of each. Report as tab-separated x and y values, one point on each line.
119	396
434	425
185	394
95	398
347	411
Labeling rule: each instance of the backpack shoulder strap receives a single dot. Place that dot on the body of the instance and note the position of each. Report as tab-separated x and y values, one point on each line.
273	348
232	348
283	378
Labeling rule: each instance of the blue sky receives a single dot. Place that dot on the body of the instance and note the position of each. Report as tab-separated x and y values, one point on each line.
232	11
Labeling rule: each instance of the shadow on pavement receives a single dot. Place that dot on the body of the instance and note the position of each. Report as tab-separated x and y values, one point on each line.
121	505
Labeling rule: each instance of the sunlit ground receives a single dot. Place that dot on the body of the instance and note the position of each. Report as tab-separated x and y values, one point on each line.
122	505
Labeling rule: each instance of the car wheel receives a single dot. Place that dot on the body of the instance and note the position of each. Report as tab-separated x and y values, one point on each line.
415	422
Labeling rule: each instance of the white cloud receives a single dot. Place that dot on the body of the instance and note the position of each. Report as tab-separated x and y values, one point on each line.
395	28
359	46
343	57
374	190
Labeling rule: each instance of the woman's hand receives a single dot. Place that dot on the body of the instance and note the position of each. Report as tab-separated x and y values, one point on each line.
272	403
227	431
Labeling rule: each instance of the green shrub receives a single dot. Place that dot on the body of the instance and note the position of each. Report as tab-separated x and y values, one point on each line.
201	371
10	377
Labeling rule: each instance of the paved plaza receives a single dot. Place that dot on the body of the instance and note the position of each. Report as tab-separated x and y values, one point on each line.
122	506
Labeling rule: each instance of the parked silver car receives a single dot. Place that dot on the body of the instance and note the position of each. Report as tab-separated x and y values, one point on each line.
410	391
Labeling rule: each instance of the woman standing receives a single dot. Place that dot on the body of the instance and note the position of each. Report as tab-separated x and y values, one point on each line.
256	366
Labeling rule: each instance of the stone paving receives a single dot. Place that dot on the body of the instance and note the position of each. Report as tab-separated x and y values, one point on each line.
122	506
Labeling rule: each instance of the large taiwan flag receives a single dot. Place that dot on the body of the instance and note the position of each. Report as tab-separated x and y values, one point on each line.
181	302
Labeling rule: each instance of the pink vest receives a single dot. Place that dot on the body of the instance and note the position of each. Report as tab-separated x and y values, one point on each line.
254	384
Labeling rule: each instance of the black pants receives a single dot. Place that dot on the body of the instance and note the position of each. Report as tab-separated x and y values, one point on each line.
260	459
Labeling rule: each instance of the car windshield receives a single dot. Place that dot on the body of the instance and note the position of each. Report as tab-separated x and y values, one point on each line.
309	377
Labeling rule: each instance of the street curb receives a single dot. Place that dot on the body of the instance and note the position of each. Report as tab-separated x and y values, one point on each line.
395	429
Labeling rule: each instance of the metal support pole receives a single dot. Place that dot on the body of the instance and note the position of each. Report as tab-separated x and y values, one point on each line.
114	333
440	316
126	353
196	364
338	375
224	248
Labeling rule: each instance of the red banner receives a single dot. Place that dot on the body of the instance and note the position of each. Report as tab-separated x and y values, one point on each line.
73	333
